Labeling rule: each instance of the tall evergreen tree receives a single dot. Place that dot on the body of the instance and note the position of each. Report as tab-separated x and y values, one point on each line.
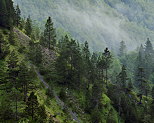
49	34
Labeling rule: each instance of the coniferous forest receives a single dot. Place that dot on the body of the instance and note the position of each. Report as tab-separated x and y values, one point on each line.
48	76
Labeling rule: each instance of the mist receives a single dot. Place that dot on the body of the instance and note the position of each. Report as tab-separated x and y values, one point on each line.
92	21
102	28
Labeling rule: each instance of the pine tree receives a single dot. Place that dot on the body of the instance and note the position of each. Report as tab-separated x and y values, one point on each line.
122	77
17	16
24	79
148	47
140	63
143	84
141	57
108	60
10	13
69	63
28	26
152	92
49	34
87	63
122	49
13	76
130	85
1	41
149	60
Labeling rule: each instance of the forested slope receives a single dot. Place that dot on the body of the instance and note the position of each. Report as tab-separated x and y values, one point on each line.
46	77
101	22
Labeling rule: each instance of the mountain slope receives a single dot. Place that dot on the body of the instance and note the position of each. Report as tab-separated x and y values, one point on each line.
99	22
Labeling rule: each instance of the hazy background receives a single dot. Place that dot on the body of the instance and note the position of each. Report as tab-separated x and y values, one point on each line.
100	22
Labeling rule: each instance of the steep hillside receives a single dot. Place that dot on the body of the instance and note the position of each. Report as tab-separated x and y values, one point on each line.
101	22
